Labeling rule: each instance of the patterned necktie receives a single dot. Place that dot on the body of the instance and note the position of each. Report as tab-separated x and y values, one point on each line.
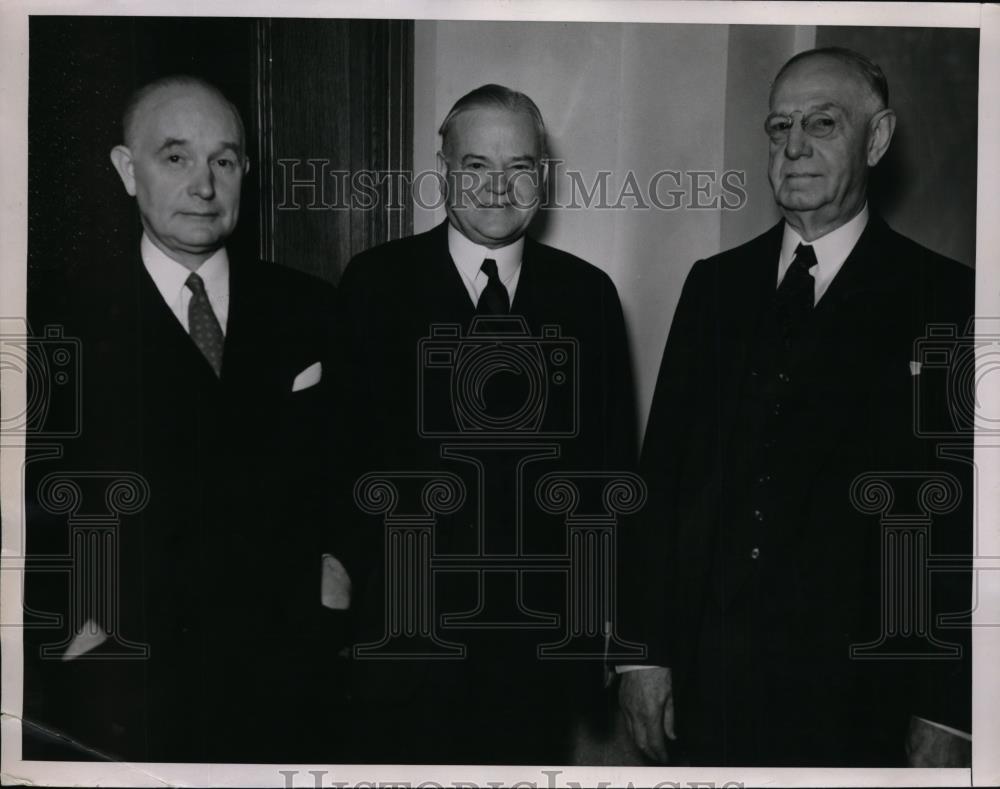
202	324
494	299
796	295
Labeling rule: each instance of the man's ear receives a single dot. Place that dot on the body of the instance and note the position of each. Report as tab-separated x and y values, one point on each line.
246	165
442	171
121	158
880	130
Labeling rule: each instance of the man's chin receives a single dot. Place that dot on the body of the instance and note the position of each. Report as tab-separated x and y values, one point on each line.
495	235
207	237
800	200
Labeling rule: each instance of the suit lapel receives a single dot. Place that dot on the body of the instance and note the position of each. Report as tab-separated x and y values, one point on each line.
862	283
163	335
247	310
743	298
843	353
444	293
844	331
528	281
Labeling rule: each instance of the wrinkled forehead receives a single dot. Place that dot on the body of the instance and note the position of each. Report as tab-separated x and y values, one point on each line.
490	128
818	81
185	112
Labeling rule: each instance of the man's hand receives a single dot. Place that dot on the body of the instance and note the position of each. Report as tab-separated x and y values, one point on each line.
647	699
928	745
335	585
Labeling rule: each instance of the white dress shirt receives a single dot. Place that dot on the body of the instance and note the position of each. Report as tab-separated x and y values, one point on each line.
469	257
831	251
170	277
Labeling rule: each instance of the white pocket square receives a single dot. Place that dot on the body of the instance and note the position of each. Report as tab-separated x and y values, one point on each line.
308	377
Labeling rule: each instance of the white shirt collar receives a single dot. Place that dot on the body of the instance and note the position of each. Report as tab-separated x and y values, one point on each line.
170	277
831	250
469	257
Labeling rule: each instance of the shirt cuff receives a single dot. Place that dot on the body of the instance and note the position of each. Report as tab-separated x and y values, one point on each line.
628	668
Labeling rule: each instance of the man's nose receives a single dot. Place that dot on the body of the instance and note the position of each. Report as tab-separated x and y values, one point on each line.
497	182
203	182
798	143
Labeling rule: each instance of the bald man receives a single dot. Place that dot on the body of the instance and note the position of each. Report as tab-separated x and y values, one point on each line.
787	377
208	376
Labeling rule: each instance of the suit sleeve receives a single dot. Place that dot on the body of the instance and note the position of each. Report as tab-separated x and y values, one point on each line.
351	543
942	689
619	409
649	538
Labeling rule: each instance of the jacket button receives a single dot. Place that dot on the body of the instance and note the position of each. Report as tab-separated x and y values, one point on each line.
755	553
783	378
758	516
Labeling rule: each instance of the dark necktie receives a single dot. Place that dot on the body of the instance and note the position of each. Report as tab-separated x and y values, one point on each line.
202	324
494	299
797	293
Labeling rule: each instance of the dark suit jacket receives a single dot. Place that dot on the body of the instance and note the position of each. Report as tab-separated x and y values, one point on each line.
390	298
755	605
219	573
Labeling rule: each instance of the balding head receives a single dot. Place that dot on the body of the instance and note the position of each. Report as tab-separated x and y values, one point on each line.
869	75
142	98
183	160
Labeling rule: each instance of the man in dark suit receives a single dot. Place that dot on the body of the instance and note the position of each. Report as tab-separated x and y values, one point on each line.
206	390
787	376
420	315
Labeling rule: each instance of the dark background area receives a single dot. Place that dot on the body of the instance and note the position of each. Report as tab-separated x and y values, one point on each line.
926	185
338	90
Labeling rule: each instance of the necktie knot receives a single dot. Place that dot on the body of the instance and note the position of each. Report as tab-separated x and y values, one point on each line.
796	294
494	300
195	284
489	268
805	256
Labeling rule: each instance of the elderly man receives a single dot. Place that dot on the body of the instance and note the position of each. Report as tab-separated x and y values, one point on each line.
207	376
476	285
787	375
